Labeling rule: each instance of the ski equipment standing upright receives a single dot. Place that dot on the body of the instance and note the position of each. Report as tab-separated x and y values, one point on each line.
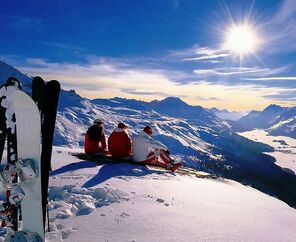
46	95
28	127
22	172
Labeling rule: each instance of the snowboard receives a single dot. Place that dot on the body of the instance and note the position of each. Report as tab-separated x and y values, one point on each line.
28	130
7	130
101	159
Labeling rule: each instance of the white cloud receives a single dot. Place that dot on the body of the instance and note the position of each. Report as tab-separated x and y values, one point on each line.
240	71
206	57
197	53
274	78
227	71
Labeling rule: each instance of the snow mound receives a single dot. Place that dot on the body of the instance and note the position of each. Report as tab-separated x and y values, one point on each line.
69	200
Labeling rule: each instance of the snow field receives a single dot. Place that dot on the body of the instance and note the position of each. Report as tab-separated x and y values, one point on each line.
123	202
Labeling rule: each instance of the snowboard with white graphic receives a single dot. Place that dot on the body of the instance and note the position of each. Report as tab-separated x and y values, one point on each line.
28	130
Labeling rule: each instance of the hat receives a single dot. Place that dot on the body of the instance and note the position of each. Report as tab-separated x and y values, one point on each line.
98	121
148	130
122	126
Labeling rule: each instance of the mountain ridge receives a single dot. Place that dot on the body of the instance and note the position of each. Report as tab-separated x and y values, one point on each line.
275	119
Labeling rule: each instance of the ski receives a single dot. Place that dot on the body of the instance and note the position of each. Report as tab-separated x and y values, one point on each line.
48	107
38	93
46	95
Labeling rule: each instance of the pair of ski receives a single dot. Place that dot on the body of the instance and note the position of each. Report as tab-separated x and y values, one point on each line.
46	96
23	124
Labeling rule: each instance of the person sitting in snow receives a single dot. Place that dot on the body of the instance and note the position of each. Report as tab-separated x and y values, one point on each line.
95	141
119	142
148	151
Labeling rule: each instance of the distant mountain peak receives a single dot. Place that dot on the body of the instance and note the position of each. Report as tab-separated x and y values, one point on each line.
171	101
225	114
274	108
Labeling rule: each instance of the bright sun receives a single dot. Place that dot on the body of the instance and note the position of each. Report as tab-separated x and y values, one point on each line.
241	39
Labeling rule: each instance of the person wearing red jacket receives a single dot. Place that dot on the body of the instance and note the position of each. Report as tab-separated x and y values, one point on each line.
119	142
95	141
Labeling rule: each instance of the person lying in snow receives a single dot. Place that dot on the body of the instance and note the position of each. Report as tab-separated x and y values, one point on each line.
95	141
148	151
119	142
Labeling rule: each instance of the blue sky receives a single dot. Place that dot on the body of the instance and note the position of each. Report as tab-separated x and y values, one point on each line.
154	49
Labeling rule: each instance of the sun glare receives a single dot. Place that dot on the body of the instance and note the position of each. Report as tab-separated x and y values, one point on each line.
241	39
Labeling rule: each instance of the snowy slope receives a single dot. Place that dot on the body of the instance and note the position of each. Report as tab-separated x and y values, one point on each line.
285	124
130	203
124	202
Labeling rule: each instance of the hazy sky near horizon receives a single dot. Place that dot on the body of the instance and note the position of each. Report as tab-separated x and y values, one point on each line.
154	49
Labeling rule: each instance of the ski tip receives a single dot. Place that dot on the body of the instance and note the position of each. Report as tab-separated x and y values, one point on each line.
54	83
37	78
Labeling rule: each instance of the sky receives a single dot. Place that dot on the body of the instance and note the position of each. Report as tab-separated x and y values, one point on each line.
233	54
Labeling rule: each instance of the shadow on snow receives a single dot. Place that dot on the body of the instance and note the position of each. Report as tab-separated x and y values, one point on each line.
107	171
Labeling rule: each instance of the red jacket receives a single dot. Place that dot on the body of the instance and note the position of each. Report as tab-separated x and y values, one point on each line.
92	147
119	143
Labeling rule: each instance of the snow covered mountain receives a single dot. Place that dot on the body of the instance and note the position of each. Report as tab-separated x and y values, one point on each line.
224	114
259	119
193	134
274	119
207	144
175	107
